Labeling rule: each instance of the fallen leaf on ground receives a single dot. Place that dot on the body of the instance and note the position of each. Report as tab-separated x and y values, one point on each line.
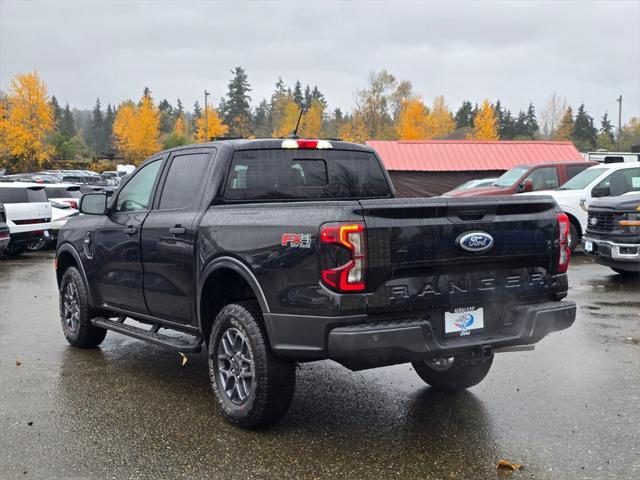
184	359
505	466
18	363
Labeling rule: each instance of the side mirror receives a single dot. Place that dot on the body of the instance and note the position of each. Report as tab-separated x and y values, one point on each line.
527	185
601	192
93	204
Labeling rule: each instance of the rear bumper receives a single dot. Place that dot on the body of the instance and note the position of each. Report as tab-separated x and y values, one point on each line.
372	344
612	253
26	237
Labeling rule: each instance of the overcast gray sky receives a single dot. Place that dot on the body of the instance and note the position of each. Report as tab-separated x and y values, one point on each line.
516	51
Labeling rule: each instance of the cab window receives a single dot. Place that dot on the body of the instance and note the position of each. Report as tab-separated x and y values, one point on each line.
621	182
135	196
545	178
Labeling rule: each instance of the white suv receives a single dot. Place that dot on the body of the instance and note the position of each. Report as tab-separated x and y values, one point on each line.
28	214
574	197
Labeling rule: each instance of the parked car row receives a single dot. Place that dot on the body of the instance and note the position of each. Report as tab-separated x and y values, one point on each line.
34	213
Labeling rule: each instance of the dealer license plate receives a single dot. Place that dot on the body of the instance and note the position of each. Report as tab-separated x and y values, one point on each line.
588	246
463	320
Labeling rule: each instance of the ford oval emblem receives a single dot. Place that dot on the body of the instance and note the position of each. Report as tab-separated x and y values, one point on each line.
475	242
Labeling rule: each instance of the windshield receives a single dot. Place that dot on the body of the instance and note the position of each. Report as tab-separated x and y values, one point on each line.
583	179
510	177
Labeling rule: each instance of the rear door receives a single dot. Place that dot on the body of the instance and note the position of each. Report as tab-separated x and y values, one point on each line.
169	235
115	242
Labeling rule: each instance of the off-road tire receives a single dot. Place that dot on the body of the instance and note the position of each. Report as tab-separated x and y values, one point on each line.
85	335
273	380
465	372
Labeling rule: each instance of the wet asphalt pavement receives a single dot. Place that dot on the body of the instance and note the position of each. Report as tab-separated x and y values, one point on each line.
569	409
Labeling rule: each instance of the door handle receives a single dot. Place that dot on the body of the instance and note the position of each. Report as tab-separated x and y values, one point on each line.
177	230
130	230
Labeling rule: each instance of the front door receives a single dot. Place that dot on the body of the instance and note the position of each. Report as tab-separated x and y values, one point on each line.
115	244
169	237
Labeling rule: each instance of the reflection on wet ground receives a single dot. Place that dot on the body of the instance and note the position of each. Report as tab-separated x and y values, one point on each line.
569	409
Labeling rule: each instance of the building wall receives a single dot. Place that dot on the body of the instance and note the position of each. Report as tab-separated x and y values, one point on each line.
429	184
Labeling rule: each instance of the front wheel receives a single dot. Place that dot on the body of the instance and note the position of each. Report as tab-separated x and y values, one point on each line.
253	386
76	314
453	373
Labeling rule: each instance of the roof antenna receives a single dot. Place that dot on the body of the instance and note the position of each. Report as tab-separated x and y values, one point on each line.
294	133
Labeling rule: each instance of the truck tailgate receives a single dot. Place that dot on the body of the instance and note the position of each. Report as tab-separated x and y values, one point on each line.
415	260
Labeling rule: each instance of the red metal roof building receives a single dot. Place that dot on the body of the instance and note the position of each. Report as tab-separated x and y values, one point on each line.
432	167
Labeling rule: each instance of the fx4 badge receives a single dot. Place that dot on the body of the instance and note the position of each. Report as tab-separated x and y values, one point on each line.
296	240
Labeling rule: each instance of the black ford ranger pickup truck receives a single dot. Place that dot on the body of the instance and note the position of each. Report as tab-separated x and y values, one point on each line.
270	252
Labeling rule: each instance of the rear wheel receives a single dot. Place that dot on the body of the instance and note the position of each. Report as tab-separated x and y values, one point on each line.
453	373
253	386
75	313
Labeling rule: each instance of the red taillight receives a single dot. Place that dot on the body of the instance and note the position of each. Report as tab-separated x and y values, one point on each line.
350	276
564	255
31	221
4	234
73	203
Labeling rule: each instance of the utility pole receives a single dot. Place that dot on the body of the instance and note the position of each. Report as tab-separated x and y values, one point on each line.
206	118
619	100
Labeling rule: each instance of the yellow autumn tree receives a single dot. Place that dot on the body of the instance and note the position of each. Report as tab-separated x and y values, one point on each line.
216	128
485	125
288	119
354	130
441	122
311	121
137	129
413	120
180	128
25	121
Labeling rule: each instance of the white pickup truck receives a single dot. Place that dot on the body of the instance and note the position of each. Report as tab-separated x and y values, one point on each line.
607	180
28	214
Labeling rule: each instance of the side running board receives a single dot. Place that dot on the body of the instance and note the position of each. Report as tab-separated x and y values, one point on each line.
151	336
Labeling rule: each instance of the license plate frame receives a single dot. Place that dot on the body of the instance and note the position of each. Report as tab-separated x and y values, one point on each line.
463	321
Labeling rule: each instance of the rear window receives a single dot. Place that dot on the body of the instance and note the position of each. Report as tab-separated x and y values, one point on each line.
573	170
21	195
62	192
302	174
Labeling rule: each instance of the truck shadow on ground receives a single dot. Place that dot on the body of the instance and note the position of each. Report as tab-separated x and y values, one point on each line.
138	395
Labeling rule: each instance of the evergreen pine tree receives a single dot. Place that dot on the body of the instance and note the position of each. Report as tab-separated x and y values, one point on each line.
316	94
531	124
508	126
236	108
584	132
261	120
166	117
520	126
96	129
67	124
307	97
464	115
606	127
179	110
109	118
57	111
197	114
298	97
